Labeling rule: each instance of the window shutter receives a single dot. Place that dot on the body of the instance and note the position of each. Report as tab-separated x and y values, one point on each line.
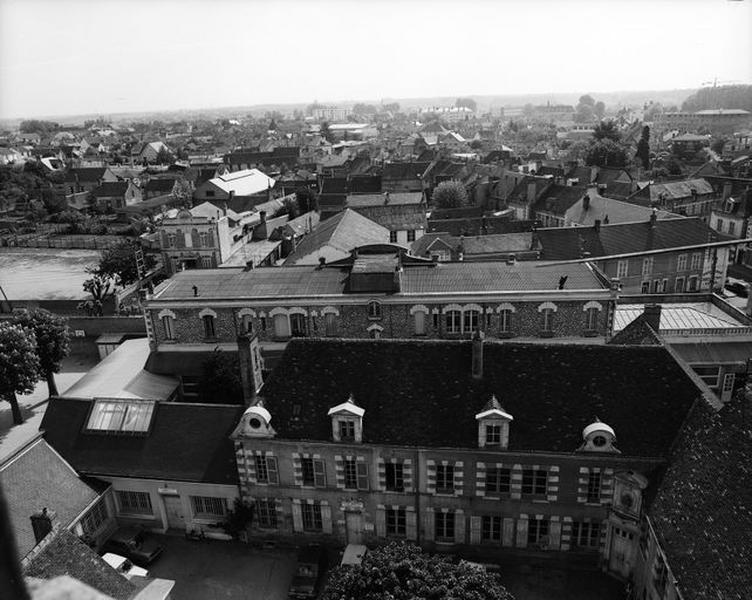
326	518
297	516
380	521
522	533
508	532
407	474
411	525
271	469
475	524
554	535
459	527
319	474
362	470
428	521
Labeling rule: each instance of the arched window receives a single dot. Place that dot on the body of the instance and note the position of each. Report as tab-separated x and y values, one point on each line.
167	323
247	324
505	320
547	320
374	310
453	321
591	318
210	331
420	322
470	321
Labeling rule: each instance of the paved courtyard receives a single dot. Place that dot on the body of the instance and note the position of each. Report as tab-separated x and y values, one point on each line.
216	570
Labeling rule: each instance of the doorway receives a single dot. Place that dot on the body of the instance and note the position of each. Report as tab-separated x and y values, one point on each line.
174	510
354	525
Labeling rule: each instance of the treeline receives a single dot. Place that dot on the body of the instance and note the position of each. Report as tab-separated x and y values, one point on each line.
38	126
727	96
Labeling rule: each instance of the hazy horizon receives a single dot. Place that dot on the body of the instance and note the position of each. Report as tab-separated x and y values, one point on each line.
111	56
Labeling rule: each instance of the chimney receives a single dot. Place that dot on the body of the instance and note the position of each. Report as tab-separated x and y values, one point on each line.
262	216
195	291
42	522
246	364
322	262
478	354
386	198
653	217
586	202
652	314
597	225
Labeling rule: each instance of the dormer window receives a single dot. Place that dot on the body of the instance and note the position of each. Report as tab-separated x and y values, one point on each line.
255	422
493	425
598	437
374	310
347	421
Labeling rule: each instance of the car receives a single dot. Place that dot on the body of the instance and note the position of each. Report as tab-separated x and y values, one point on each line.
123	566
309	573
134	544
737	286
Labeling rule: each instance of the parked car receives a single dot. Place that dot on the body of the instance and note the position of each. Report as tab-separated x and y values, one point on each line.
309	573
737	286
123	566
135	545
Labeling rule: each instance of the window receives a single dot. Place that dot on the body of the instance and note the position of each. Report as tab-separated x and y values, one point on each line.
444	522
490	530
395	477
210	193
681	262
203	238
374	310
121	416
298	325
247	324
410	235
393	237
135	502
330	324
498	481
470	321
420	323
534	481
679	285
645	287
594	487
709	374
396	521
210	507
728	382
445	478
622	268
647	266
312	517
171	240
547	320
347	430
167	325
696	260
266	513
95	518
351	476
692	284
656	286
505	323
209	330
314	474
206	262
537	532
266	469
436	320
493	435
453	321
731	228
719	224
586	535
591	319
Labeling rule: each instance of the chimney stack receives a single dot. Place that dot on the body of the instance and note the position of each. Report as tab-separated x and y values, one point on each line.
478	354
42	522
597	225
652	314
262	216
195	291
653	217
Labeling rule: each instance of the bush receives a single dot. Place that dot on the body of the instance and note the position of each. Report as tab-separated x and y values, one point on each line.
449	194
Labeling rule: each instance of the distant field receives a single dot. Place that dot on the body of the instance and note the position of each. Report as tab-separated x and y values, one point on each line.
45	274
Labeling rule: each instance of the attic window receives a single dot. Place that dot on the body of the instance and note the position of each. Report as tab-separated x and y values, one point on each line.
374	310
121	416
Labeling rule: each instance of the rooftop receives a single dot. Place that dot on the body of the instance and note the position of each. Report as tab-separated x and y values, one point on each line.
45	273
243	183
385	199
680	316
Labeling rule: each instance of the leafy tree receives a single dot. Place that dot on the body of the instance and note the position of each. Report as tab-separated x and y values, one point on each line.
528	110
38	126
599	109
586	100
326	132
585	109
449	194
718	144
606	130
652	111
466	103
476	144
238	518
722	96
402	571
364	109
643	148
272	125
606	153
165	157
183	190
119	263
221	383
53	341
19	365
99	286
392	107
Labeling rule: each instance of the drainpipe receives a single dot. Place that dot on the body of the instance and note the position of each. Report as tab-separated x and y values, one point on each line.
416	472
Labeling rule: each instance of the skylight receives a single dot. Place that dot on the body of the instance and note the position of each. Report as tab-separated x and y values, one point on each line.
127	416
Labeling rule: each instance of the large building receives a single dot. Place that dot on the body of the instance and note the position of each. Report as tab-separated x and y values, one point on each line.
713	121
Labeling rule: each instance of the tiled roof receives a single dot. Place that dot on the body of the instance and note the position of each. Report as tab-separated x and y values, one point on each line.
564	243
675	190
396	217
500	242
66	554
91	174
702	513
186	442
552	392
557	199
37	478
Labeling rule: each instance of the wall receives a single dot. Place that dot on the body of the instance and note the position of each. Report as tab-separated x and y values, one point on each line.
665	266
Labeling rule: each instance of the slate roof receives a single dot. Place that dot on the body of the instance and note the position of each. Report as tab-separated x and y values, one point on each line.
91	174
36	478
552	391
341	233
66	554
557	199
186	442
160	185
404	170
563	243
385	199
702	513
677	190
396	217
111	189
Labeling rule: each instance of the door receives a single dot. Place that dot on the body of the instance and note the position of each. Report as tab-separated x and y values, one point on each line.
281	326
354	524
174	510
622	552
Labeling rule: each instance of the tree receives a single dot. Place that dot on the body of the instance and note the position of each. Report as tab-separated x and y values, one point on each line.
718	144
402	571
599	109
449	194
306	199
99	286
585	109
119	263
19	365
466	103
165	157
643	148
392	107
221	383
606	130
528	110
272	125
53	341
38	126
326	132
606	153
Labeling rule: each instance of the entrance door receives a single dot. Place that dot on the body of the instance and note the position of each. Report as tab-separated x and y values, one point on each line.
174	510
622	552
354	523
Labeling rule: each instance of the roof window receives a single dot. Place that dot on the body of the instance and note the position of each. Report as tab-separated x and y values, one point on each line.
121	416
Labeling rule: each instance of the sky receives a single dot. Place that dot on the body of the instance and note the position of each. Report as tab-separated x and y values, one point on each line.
67	57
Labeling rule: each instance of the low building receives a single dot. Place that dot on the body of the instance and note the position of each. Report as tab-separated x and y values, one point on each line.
692	197
247	182
113	195
403	214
